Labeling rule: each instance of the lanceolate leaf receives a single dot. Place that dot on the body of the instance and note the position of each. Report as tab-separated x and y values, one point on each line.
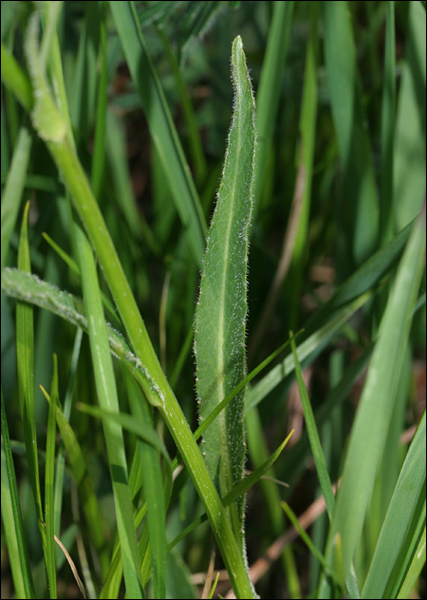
222	306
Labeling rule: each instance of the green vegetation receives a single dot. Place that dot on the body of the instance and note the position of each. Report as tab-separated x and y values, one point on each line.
161	423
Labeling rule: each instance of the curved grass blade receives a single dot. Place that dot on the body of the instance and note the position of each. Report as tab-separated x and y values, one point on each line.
222	306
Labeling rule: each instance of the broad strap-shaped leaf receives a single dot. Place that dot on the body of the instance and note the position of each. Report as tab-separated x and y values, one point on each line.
222	306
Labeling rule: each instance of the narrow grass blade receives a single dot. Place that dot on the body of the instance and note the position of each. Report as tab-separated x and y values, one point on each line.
238	491
107	397
360	223
219	342
308	349
12	518
306	538
132	425
269	88
11	196
50	482
98	159
415	568
401	519
153	487
373	415
409	145
165	137
239	387
95	523
25	360
313	434
388	118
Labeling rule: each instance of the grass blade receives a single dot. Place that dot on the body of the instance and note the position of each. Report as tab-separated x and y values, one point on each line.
164	135
373	415
12	517
316	447
268	89
50	481
107	397
25	360
402	516
361	219
11	197
219	342
82	476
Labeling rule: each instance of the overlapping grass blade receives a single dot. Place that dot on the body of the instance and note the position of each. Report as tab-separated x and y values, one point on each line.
164	135
12	518
359	228
107	397
269	89
25	361
313	435
409	145
374	411
95	523
219	341
155	385
11	196
387	569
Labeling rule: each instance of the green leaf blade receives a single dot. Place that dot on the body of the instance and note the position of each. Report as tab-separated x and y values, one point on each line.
222	306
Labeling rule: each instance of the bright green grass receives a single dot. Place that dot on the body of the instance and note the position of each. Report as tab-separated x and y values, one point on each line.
134	318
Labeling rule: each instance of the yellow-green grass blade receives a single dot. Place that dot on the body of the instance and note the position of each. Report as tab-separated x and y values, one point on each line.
359	229
12	518
373	416
16	79
162	128
405	512
220	321
415	567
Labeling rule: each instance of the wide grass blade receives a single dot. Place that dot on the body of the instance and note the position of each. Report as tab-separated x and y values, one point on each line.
162	128
219	341
374	411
